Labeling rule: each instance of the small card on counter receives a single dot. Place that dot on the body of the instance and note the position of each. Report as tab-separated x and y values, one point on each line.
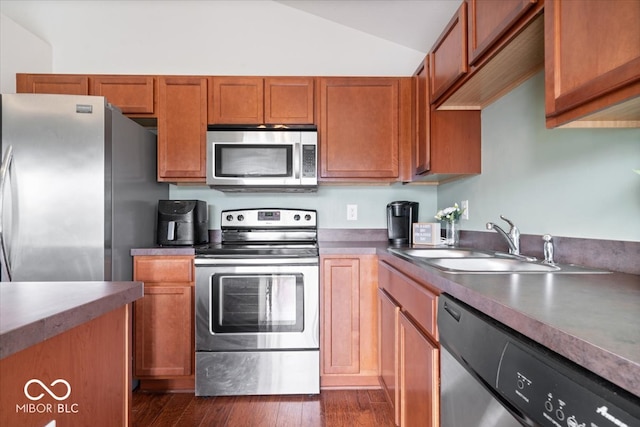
426	233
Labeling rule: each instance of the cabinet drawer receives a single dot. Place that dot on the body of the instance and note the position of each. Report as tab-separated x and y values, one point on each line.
163	269
414	298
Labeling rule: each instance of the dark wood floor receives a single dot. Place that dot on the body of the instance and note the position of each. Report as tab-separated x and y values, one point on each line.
332	408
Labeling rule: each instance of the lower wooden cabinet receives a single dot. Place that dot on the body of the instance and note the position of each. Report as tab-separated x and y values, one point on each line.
348	331
408	348
419	376
389	349
164	323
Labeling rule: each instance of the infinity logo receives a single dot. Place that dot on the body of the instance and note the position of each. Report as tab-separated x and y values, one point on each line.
47	389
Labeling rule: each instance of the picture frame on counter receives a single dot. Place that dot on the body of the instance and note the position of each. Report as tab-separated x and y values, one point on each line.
426	233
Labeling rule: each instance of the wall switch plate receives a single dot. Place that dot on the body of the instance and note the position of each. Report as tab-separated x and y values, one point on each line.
352	212
464	205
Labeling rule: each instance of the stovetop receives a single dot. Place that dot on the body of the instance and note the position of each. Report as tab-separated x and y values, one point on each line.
220	250
265	233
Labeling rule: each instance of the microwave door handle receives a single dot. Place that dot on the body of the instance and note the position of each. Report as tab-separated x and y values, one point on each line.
297	159
7	162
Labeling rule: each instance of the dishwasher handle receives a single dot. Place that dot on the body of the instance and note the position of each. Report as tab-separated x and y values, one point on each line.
456	314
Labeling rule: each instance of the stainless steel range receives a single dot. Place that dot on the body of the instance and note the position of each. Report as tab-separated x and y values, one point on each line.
257	305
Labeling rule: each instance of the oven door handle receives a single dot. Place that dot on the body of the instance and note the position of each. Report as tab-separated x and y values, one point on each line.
206	261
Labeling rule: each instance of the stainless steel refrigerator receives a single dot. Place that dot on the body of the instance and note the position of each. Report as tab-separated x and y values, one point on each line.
78	189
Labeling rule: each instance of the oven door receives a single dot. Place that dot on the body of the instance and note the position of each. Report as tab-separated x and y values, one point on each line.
257	304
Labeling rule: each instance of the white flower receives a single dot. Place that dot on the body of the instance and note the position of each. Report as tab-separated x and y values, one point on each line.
450	214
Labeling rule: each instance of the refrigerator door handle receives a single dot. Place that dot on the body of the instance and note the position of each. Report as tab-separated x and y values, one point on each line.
4	172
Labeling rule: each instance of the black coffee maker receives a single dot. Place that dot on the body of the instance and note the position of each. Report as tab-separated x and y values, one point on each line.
400	218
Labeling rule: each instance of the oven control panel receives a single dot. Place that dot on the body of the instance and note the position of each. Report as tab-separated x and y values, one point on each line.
265	218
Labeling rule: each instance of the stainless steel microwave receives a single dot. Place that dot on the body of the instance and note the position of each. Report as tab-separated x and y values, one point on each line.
278	160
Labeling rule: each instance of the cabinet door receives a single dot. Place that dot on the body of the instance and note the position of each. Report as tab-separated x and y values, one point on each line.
132	94
237	100
52	83
447	143
419	367
348	330
448	58
361	128
422	160
289	100
389	349
182	129
489	20
164	332
589	67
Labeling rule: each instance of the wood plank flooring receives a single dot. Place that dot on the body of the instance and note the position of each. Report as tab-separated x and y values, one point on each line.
332	408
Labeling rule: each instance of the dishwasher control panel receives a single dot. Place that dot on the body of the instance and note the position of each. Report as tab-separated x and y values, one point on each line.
557	394
535	385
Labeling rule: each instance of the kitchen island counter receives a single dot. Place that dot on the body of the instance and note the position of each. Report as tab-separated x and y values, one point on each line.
32	312
66	353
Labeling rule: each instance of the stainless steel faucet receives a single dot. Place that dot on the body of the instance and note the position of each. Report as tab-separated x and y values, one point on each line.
512	238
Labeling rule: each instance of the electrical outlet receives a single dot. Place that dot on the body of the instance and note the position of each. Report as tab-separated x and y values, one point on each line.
352	212
464	205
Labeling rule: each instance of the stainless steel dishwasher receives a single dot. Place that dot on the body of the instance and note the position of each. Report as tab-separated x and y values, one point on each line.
491	376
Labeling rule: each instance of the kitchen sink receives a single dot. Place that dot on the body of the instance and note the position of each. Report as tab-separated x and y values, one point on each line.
441	253
490	265
477	261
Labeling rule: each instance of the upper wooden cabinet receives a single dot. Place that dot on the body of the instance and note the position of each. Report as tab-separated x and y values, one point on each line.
365	129
257	100
422	151
236	100
488	20
503	46
52	83
592	63
449	54
447	143
182	129
134	95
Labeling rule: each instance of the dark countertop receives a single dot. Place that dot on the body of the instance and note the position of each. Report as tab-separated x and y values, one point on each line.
591	319
164	251
31	312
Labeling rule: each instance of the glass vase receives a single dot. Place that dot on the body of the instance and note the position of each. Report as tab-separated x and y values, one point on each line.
452	233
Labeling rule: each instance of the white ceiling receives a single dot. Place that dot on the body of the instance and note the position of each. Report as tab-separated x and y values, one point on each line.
415	24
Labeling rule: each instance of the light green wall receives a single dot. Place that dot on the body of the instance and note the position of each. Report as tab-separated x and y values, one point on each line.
566	182
330	202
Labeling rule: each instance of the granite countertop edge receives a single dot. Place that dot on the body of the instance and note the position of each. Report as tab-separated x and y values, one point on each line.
23	335
616	368
621	370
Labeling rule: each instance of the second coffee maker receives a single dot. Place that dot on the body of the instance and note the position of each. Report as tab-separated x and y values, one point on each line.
400	218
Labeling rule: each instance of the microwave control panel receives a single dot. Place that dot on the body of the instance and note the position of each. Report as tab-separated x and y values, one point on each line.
308	161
